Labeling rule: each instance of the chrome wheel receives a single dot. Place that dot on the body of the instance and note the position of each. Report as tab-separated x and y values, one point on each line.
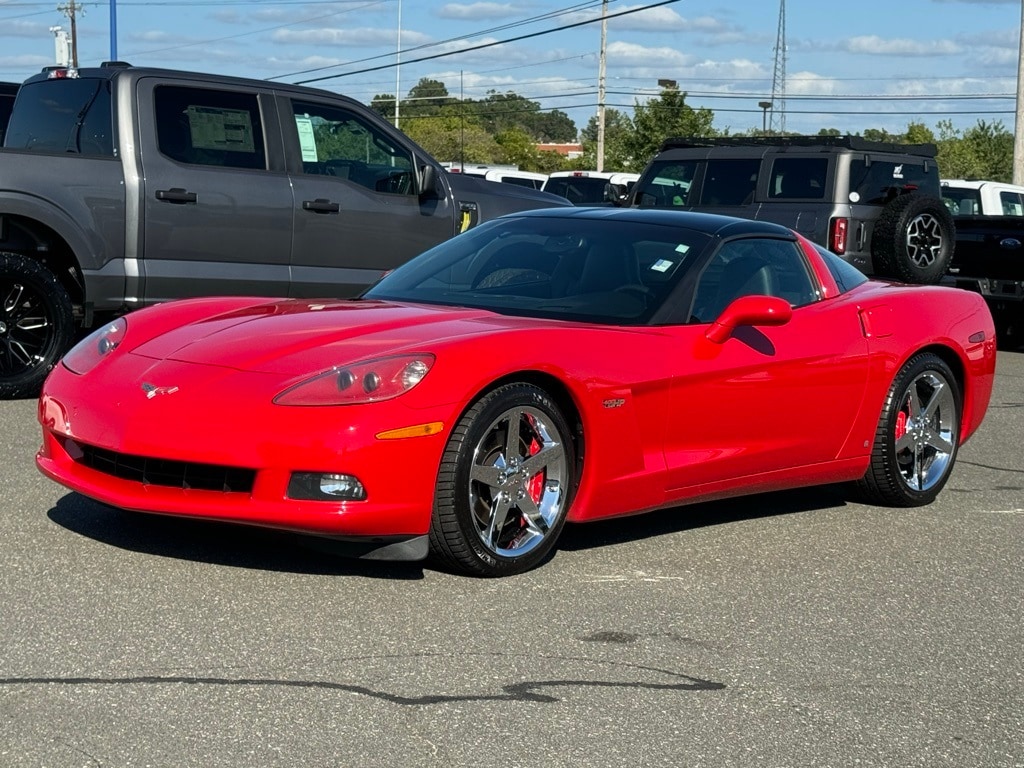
917	436
517	485
505	483
924	240
925	431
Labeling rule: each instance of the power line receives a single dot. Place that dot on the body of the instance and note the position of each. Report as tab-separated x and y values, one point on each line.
481	46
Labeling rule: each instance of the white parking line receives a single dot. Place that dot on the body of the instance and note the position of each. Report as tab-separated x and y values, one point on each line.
1003	512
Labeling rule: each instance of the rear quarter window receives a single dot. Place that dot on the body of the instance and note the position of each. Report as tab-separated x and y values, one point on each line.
71	116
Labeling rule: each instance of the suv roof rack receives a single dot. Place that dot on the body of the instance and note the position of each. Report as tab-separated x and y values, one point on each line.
846	142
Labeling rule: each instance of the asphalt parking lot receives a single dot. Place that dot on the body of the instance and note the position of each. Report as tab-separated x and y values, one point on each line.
793	629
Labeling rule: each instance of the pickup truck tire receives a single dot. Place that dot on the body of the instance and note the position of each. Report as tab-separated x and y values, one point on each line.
913	239
37	324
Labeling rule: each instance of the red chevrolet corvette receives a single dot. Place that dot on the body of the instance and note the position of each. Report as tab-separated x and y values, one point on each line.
552	366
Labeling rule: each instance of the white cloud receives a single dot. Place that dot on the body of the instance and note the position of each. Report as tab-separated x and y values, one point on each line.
358	37
477	11
873	45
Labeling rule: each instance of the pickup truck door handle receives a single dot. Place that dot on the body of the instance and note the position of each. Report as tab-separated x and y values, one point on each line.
175	195
320	205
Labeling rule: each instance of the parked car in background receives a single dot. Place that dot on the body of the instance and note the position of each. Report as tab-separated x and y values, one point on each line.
7	93
876	204
591	187
126	186
527	179
972	197
569	364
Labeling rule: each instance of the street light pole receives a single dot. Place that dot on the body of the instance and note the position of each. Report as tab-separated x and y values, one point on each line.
765	106
398	64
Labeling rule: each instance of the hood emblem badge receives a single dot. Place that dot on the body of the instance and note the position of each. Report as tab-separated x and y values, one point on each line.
152	390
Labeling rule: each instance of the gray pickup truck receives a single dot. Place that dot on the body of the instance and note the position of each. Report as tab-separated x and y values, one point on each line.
124	186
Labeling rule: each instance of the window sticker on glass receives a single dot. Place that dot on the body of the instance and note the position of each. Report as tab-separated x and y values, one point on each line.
662	265
682	248
307	141
216	128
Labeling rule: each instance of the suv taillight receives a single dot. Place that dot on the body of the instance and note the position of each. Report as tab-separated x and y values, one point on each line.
837	235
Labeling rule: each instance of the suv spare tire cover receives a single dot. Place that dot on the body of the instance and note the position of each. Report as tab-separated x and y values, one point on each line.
913	239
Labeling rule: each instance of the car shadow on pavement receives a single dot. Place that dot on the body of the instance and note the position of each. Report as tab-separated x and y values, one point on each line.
237	546
702	515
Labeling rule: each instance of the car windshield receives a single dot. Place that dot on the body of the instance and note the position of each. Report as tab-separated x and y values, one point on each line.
573	268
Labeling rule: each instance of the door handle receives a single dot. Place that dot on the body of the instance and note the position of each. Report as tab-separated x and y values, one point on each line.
175	195
320	205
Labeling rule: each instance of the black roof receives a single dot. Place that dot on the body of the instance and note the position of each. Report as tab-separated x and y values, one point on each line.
708	223
856	143
9	89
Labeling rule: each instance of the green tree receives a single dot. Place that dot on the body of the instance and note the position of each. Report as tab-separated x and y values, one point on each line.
618	130
666	116
451	137
984	151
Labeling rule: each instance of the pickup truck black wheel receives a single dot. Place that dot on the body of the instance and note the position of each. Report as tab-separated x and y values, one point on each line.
36	324
504	485
917	436
913	239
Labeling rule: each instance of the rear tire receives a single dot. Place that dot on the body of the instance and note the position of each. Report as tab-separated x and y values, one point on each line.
37	324
505	484
913	239
917	436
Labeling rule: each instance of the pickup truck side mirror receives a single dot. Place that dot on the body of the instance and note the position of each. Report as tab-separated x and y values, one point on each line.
428	182
615	194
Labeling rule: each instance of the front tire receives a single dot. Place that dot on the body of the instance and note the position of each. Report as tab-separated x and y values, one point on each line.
917	436
36	324
505	484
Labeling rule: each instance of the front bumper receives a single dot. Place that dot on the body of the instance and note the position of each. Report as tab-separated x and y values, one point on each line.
247	432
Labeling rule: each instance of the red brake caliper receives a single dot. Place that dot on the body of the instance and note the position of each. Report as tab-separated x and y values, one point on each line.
901	424
536	484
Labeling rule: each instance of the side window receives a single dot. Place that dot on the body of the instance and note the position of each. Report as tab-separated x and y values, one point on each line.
730	182
798	177
204	126
752	267
669	185
63	116
1011	202
335	142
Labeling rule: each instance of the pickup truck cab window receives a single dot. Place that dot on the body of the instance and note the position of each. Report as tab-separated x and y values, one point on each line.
69	116
205	126
335	142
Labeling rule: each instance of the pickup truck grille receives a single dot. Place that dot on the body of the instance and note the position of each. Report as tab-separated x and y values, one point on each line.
173	474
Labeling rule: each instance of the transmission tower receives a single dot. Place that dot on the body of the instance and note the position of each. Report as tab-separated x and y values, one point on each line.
778	113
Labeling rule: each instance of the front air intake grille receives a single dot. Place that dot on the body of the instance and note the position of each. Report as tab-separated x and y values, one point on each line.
173	474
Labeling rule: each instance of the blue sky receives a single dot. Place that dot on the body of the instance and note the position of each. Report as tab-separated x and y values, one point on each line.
851	66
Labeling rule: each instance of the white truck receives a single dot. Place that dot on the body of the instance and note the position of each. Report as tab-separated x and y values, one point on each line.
972	197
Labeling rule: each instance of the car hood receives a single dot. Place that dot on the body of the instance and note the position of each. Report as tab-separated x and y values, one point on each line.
295	337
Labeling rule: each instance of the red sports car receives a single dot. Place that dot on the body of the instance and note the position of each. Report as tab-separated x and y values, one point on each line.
552	366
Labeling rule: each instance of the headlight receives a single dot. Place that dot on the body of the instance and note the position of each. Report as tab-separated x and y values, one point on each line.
365	382
87	353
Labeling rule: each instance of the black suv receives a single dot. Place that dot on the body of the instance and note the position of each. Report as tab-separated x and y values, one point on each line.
876	204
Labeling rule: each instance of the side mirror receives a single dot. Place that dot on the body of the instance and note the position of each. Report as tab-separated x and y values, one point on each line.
749	310
428	181
615	193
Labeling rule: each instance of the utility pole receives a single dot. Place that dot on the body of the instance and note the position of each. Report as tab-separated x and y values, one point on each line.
1018	127
600	85
71	9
